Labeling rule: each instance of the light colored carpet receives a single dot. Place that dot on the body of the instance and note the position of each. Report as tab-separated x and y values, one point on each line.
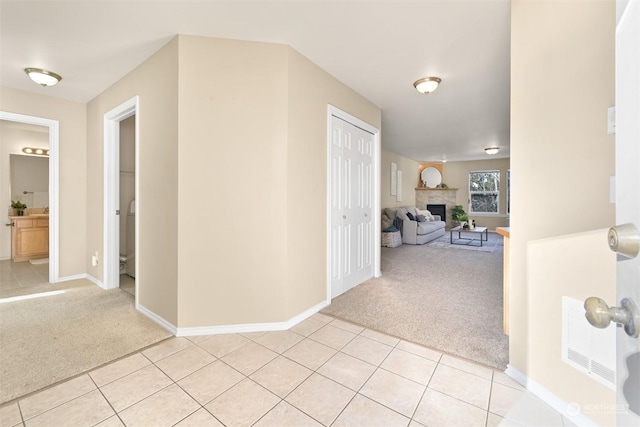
49	339
444	298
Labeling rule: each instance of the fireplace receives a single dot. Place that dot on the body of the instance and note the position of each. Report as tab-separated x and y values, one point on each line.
438	210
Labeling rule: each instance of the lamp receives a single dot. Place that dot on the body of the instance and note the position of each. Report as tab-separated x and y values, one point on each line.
42	77
492	150
427	84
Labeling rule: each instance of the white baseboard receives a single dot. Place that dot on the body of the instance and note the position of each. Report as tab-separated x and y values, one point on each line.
81	276
251	327
568	410
158	319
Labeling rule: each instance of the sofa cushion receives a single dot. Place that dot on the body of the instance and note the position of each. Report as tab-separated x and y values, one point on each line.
411	216
411	210
429	227
402	214
421	218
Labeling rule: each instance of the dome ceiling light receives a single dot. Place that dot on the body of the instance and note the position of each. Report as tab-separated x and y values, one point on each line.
43	77
427	84
492	150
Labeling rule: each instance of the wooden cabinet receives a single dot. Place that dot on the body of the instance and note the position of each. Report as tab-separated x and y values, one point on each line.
29	238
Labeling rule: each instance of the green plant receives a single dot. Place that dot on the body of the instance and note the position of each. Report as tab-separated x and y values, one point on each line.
18	205
458	214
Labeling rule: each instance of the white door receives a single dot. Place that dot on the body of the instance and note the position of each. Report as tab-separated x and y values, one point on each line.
351	237
628	201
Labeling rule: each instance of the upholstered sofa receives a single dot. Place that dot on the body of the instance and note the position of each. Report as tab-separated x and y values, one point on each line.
422	229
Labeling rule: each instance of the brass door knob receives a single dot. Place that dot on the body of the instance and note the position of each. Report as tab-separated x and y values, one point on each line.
600	315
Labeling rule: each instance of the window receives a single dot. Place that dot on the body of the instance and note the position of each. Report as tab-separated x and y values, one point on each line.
484	191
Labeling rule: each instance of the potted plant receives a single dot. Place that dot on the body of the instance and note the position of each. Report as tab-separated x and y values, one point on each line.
19	207
458	215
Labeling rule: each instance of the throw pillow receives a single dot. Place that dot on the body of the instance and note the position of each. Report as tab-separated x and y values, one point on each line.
426	213
411	217
390	229
386	222
421	218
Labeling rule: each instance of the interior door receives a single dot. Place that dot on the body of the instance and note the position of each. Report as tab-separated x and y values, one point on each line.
351	205
628	201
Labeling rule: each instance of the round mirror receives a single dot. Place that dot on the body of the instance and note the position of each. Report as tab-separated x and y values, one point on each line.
431	177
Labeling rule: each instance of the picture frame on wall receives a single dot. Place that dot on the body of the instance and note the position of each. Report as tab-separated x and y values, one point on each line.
394	168
399	186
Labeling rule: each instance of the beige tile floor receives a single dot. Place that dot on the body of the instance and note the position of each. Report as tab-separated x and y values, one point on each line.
321	372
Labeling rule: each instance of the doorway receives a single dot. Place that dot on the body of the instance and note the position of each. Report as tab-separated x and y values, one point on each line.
121	185
127	188
47	196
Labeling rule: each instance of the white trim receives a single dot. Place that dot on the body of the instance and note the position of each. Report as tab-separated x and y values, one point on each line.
159	320
376	240
95	281
251	327
54	185
111	248
567	410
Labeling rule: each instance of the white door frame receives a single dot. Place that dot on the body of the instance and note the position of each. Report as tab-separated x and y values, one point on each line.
54	180
111	250
336	112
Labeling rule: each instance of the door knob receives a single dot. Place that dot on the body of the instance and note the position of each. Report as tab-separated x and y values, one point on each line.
599	314
624	240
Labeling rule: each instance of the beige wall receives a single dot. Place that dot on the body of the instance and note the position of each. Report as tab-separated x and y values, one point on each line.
456	175
254	151
410	181
561	160
73	169
156	83
310	91
232	160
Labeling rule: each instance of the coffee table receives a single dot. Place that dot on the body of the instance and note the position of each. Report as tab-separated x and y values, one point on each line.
469	240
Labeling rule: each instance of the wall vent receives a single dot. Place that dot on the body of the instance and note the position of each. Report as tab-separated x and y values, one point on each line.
590	350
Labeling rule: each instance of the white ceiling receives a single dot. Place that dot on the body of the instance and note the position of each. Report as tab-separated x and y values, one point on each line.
378	48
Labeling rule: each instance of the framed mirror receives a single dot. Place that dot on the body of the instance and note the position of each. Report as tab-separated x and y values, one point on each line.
431	177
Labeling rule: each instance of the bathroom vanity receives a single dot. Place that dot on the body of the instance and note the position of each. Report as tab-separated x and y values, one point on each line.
29	237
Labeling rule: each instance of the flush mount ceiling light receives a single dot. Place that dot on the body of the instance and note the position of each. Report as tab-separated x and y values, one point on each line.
36	151
492	150
427	85
43	77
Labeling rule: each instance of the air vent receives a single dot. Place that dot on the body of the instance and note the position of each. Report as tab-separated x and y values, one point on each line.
590	350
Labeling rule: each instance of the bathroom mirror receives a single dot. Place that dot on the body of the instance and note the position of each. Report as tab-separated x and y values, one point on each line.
30	180
431	177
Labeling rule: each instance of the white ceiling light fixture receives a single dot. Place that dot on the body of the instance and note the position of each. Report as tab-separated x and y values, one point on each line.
43	77
492	150
427	84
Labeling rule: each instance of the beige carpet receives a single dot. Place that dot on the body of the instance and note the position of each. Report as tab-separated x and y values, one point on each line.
49	339
447	298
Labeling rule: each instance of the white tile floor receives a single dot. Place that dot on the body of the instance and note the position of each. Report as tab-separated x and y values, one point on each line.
321	372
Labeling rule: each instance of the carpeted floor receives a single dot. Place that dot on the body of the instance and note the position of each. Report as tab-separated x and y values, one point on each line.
45	340
448	298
